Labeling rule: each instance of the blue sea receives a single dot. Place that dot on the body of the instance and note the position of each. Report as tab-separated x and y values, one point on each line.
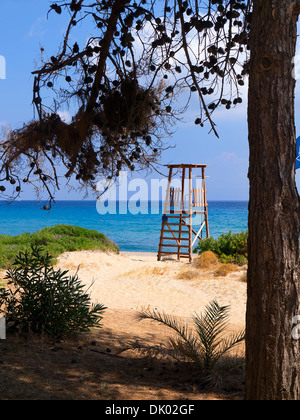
131	232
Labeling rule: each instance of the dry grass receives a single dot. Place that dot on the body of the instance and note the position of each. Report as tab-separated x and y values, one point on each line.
220	270
147	272
206	261
188	275
204	266
224	269
158	271
244	277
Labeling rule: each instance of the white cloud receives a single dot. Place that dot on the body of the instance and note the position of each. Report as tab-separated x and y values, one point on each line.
65	116
38	28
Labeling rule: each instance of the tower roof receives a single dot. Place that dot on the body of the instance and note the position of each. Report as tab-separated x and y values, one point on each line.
186	165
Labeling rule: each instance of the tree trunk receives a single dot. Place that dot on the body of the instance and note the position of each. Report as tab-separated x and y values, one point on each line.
272	354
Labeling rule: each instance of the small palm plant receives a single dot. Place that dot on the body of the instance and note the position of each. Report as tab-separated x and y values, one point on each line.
205	344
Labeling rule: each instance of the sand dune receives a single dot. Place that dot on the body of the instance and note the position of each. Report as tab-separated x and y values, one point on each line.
135	281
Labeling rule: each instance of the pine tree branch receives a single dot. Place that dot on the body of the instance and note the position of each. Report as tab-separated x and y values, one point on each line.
187	55
296	7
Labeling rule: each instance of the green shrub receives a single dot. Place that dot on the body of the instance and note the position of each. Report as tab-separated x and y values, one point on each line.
41	299
55	240
229	247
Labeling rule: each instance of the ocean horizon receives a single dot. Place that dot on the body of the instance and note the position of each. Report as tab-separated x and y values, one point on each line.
131	232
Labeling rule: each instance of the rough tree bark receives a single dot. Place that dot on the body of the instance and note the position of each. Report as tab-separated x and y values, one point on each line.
273	356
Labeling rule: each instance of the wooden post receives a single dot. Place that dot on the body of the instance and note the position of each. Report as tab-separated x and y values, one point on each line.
190	212
164	215
181	212
168	191
205	204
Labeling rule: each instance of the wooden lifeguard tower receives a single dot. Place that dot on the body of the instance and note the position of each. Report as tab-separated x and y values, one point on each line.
181	205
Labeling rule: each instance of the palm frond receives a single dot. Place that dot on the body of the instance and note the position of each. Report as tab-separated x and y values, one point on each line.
205	344
212	324
145	349
229	343
187	338
169	321
187	351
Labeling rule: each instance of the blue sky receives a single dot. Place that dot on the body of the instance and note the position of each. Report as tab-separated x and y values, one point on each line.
25	28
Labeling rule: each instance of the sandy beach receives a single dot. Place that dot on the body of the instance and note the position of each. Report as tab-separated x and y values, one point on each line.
91	367
137	281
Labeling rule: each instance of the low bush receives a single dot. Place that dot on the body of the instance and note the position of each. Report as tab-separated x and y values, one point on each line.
40	299
206	261
229	247
55	240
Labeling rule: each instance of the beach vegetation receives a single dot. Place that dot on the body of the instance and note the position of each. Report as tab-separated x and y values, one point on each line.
224	269
40	299
206	261
229	247
207	264
205	343
55	240
187	275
